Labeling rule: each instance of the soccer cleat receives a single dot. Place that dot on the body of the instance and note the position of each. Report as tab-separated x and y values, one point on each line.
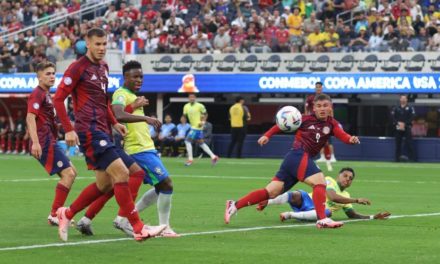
15	152
122	224
23	152
230	210
52	220
214	160
188	163
261	205
328	223
168	232
84	226
148	232
333	158
63	223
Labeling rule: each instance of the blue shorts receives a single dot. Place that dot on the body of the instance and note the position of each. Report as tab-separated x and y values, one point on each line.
194	134
307	203
297	166
98	148
52	157
155	171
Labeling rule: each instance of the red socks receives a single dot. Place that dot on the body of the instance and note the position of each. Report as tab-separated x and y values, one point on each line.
327	152
61	193
87	196
252	198
319	198
134	183
126	205
98	204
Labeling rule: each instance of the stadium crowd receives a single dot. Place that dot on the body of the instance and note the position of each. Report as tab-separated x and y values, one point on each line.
219	26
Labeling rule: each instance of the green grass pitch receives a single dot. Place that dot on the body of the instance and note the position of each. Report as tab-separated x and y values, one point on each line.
407	190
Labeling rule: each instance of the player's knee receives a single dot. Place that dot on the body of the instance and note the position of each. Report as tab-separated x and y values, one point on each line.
273	193
104	186
68	177
118	171
166	185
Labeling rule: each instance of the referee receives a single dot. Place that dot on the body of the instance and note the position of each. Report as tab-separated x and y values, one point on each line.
403	116
239	114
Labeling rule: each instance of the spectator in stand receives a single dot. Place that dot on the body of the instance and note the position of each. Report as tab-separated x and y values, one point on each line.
152	42
420	42
376	42
111	14
361	23
166	135
182	130
361	42
314	41
222	41
203	44
294	22
310	24
434	44
392	38
331	40
7	60
282	35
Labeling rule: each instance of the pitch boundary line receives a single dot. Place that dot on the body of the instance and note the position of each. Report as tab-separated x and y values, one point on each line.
89	242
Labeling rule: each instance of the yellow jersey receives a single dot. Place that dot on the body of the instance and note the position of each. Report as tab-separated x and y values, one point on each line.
333	185
237	114
194	111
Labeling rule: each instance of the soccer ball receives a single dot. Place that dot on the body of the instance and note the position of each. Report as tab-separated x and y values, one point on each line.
288	118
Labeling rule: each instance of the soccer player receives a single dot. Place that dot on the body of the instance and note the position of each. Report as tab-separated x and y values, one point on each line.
87	80
337	198
327	153
40	120
298	164
140	146
196	114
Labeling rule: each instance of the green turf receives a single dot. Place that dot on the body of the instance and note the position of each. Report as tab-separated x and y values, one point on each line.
198	204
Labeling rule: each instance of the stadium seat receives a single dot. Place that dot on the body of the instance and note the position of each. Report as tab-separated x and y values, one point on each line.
416	63
205	64
345	64
297	64
227	64
369	64
435	64
272	64
185	64
392	64
249	63
320	64
164	64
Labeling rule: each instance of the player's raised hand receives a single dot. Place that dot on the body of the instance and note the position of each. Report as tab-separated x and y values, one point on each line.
36	150
72	139
263	140
355	140
120	128
154	122
382	215
363	201
140	101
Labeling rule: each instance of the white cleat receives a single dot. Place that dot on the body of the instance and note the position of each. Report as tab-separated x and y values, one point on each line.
52	220
230	210
169	232
63	223
333	158
148	232
124	225
84	226
328	223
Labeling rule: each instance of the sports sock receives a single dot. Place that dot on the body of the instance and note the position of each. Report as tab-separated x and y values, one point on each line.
252	198
207	150
305	216
134	183
87	196
61	193
189	150
319	197
164	207
98	204
147	199
280	199
125	202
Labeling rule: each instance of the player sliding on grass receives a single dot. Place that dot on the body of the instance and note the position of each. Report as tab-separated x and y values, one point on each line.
87	80
337	198
43	132
139	145
298	164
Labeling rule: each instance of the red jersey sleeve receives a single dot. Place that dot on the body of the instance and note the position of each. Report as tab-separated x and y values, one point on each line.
111	116
67	85
35	101
340	133
272	131
129	109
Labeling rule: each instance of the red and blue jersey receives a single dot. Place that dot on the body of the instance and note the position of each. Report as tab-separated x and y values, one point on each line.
87	82
313	133
40	104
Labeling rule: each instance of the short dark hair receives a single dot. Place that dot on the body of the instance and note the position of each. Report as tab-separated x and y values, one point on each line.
320	83
44	65
322	97
98	32
130	65
347	169
238	99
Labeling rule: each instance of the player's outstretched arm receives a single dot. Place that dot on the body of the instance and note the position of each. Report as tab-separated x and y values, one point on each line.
336	198
344	136
379	216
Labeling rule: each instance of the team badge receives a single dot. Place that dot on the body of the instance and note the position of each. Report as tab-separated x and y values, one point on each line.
120	99
67	81
60	164
36	106
103	143
158	170
326	130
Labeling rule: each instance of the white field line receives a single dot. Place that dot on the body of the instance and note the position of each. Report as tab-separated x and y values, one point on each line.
218	177
235	230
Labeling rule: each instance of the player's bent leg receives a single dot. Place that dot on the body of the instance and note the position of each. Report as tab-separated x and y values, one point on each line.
165	191
189	151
